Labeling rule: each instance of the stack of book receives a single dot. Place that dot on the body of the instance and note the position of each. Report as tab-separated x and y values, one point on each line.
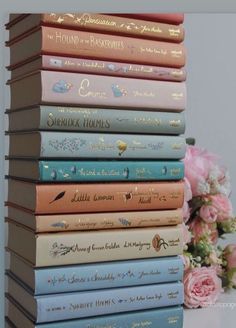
95	189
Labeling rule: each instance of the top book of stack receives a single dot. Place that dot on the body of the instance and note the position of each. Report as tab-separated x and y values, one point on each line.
162	28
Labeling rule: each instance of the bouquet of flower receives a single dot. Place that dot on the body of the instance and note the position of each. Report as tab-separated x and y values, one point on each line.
208	216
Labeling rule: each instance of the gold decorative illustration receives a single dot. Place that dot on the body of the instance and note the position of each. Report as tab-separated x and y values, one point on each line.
122	146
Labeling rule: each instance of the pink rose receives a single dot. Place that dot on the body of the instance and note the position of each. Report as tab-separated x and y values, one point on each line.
198	163
202	287
230	256
223	206
200	228
208	213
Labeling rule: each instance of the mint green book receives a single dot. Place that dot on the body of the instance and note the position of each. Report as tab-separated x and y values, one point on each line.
76	119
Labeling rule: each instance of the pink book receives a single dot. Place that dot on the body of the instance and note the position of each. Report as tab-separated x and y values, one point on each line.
83	89
94	66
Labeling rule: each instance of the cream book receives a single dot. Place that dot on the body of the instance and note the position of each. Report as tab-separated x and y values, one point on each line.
66	248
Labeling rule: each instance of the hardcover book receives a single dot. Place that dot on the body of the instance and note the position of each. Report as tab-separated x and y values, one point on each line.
99	23
169	317
58	307
95	171
55	145
69	248
49	87
172	18
94	221
96	276
57	41
99	197
76	119
93	66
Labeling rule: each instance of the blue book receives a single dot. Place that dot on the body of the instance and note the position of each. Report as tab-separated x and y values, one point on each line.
97	276
58	307
96	170
170	317
96	145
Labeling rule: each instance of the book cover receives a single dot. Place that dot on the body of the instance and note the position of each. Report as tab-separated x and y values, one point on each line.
52	87
100	197
58	307
169	317
97	276
94	221
53	118
67	42
93	66
99	23
68	145
69	248
95	171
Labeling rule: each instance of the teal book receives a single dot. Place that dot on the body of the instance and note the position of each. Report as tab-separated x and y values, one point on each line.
76	119
95	145
94	171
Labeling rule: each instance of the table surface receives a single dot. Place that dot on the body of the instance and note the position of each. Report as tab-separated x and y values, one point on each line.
222	315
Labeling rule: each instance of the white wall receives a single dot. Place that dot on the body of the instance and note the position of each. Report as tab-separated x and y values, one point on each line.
211	112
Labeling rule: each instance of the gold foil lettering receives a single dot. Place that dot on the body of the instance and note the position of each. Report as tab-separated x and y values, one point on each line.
106	43
177	96
175	123
177	146
177	73
85	92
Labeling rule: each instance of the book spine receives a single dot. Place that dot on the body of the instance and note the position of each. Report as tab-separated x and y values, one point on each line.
114	220
164	318
111	47
108	197
108	275
87	89
110	170
107	245
104	120
116	25
92	66
96	303
113	146
175	18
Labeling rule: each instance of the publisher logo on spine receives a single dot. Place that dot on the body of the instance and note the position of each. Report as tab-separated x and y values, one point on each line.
158	243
